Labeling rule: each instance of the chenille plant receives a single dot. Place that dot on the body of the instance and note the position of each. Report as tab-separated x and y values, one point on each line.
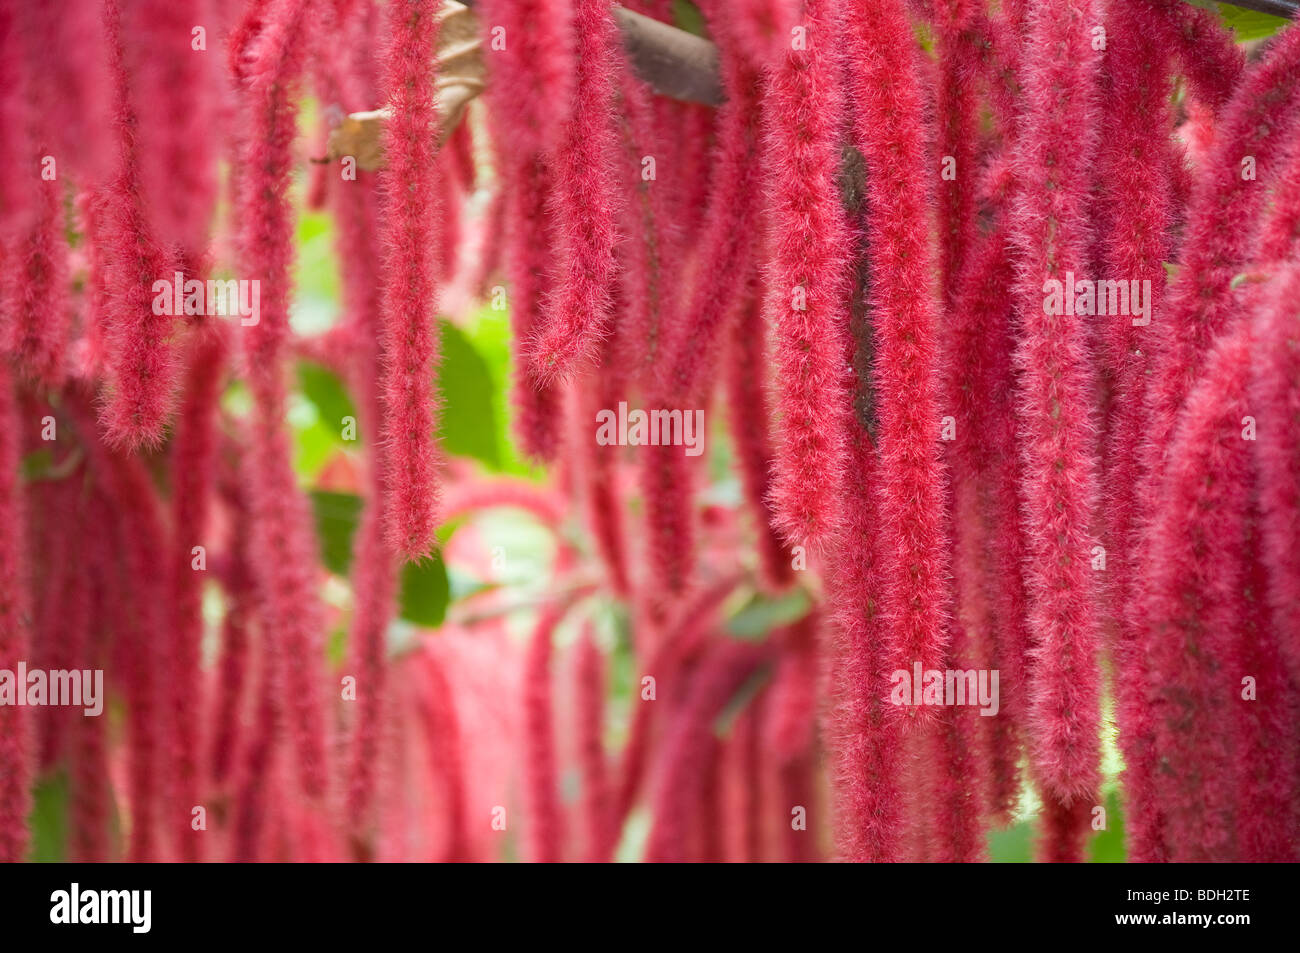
568	431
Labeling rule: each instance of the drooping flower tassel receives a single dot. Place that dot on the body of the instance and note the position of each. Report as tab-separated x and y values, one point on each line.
1140	208
1197	610
808	278
888	131
409	184
864	736
586	206
193	468
142	361
15	726
284	551
1050	235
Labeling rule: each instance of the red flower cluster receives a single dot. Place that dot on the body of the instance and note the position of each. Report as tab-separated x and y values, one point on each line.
997	303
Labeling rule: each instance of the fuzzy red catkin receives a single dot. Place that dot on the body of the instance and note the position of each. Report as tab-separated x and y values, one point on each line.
375	584
1279	236
888	130
1206	48
1011	627
142	535
683	771
88	835
232	669
1275	399
284	550
808	278
541	777
1202	301
866	744
691	339
72	100
958	139
647	237
193	466
726	238
1050	233
174	87
528	237
15	727
1272	653
585	206
410	186
1267	743
1197	610
1063	832
589	711
92	211
38	292
1136	159
962	774
530	54
142	362
376	565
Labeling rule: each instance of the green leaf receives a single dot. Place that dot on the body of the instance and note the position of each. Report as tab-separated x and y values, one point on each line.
687	16
323	388
1250	24
49	820
37	464
762	614
336	523
425	592
1012	845
468	420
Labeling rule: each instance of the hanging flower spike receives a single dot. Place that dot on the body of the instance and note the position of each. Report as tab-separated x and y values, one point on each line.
1275	402
808	277
142	362
1203	301
903	302
15	727
866	741
585	207
409	184
1197	610
193	466
1050	234
1140	210
284	549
